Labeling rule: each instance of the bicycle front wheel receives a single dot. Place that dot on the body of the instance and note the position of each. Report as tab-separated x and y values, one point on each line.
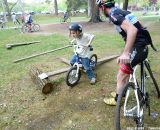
129	114
62	20
72	77
36	27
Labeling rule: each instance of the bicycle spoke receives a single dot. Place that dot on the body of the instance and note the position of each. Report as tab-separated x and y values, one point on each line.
129	114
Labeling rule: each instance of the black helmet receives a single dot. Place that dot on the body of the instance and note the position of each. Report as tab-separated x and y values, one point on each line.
107	3
75	27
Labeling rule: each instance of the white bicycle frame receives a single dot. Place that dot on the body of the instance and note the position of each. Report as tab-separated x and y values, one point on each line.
76	64
139	111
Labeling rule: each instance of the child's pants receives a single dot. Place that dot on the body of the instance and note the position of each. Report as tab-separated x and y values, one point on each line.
86	65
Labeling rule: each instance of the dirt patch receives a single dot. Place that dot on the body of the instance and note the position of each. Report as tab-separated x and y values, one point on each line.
87	26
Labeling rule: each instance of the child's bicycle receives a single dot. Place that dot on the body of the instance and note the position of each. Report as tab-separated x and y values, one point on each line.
74	73
134	100
34	28
67	20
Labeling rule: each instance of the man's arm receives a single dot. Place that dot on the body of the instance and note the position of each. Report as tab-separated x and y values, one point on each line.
131	31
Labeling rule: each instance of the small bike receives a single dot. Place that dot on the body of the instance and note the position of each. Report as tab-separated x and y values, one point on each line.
74	73
63	20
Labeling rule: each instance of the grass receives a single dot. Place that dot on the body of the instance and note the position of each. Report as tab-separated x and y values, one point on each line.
10	69
48	19
22	105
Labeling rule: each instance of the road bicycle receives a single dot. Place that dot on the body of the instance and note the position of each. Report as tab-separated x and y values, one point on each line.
132	104
34	28
74	73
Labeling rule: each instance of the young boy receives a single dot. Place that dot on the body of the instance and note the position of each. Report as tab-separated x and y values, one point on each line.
83	41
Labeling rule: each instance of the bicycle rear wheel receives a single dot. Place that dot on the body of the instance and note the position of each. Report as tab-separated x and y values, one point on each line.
152	77
127	109
93	61
68	20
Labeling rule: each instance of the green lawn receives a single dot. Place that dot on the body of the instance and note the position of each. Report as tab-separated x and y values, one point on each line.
25	103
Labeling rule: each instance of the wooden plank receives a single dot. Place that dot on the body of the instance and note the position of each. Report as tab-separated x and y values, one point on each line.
53	73
100	61
65	61
106	59
35	55
9	46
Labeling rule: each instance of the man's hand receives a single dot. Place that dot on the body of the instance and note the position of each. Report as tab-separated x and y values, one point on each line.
123	59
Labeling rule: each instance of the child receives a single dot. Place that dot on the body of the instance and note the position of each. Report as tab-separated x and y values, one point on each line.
83	40
65	17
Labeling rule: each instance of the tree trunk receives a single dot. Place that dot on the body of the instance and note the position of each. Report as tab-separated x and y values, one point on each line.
55	7
89	8
6	8
125	4
95	17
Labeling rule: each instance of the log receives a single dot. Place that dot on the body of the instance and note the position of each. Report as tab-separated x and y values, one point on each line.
9	46
45	85
35	55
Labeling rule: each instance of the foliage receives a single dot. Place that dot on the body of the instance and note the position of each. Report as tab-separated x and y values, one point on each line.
76	4
152	2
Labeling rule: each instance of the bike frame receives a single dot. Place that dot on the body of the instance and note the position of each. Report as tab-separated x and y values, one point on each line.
77	64
139	111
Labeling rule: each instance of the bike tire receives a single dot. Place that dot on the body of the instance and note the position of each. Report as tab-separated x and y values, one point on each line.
36	27
61	20
72	72
152	77
68	20
121	121
24	29
93	61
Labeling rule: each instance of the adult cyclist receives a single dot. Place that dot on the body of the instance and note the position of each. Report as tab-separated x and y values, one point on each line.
136	39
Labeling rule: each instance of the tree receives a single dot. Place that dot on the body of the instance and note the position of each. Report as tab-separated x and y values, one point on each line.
7	8
55	7
95	17
152	2
48	1
73	5
125	4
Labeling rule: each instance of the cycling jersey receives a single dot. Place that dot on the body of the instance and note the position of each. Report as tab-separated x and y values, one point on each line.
117	16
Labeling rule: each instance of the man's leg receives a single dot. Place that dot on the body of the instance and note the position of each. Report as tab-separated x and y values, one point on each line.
122	79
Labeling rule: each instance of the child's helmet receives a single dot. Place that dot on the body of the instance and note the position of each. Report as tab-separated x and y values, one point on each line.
75	27
106	3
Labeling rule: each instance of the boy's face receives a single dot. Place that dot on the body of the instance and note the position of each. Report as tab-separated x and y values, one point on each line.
75	34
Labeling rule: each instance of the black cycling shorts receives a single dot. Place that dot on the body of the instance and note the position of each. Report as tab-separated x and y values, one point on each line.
137	55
